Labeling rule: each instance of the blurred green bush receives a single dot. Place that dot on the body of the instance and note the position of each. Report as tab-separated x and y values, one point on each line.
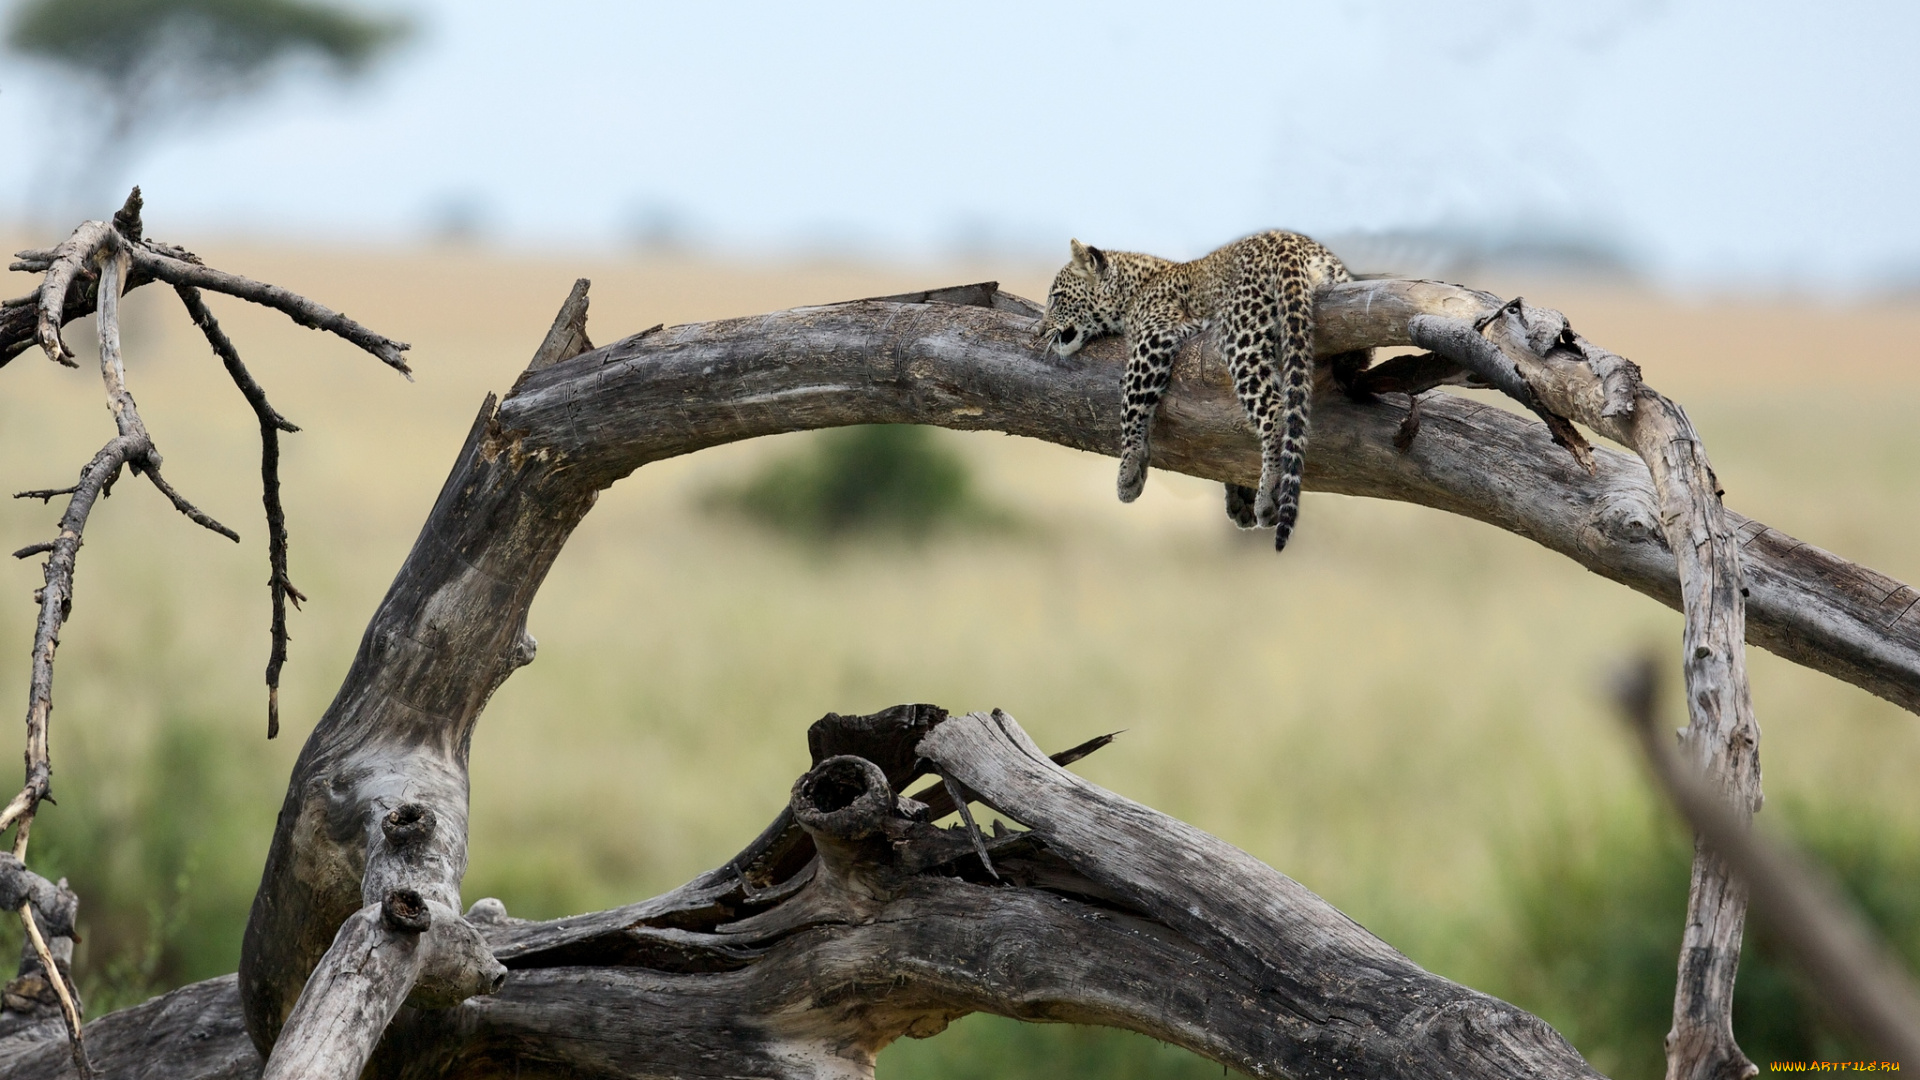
165	855
995	1048
895	479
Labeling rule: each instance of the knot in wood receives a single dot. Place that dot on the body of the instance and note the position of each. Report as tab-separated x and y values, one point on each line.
845	797
404	909
408	825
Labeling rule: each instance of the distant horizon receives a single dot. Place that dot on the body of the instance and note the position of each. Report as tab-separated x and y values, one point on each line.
1700	145
1482	267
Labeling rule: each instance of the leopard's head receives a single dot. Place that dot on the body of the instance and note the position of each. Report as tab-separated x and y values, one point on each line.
1082	303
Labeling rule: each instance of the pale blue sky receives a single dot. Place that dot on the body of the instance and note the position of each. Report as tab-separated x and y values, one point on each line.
1750	142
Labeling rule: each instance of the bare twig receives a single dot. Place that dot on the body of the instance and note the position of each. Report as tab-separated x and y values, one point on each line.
959	798
1856	976
69	1008
180	503
177	272
56	602
271	425
36	317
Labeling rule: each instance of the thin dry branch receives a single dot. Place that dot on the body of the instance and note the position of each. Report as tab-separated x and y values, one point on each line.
55	599
271	425
23	891
67	290
62	984
1854	973
103	256
178	272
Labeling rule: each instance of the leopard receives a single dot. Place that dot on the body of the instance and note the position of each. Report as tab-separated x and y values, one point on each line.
1257	295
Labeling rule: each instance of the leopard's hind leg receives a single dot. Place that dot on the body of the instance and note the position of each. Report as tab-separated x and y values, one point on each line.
1248	342
1240	499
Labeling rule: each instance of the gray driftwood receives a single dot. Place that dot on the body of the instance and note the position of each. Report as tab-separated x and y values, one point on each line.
767	967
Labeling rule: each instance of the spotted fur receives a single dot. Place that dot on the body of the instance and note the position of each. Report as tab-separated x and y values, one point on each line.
1257	294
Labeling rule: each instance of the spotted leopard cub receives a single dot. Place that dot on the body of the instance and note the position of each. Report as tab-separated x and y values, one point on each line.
1257	293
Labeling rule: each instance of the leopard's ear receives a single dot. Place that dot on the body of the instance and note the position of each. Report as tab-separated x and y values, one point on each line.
1091	261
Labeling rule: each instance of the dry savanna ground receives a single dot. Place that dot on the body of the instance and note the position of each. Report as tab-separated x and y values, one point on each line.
1389	712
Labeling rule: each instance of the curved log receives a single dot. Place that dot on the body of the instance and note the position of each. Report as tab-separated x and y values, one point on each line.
963	358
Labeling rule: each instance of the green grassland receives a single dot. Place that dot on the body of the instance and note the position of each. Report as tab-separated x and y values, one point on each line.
1402	712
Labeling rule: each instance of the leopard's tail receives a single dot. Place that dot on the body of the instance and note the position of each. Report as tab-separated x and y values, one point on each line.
1296	380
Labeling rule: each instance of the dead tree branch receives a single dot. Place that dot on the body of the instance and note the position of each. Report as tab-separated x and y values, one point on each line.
90	271
452	627
400	741
181	272
67	291
41	995
781	990
271	425
1535	356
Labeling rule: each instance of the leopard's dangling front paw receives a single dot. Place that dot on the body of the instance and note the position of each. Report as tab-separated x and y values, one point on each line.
1240	499
1133	474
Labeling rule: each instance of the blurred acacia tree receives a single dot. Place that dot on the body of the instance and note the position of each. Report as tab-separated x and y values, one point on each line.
147	67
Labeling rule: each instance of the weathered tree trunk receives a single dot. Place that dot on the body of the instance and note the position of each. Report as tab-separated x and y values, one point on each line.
780	965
